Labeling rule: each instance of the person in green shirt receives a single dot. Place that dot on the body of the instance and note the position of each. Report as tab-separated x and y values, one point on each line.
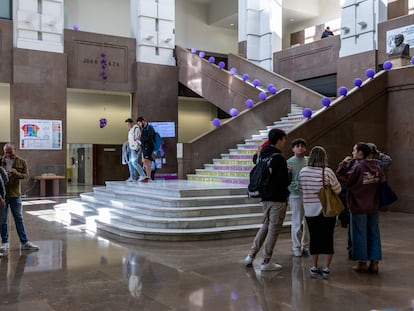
16	169
299	229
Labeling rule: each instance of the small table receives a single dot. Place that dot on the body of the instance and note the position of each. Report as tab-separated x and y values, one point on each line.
44	178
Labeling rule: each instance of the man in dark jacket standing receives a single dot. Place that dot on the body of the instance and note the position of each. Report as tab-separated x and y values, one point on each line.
147	143
274	203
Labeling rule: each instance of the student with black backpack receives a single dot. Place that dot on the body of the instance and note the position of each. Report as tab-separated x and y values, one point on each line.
274	195
147	144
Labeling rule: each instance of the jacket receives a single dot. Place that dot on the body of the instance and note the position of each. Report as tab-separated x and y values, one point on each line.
279	178
13	186
362	181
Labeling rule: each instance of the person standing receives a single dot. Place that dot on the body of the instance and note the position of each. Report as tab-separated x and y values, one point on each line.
17	170
147	141
134	146
274	202
321	228
362	181
299	228
327	33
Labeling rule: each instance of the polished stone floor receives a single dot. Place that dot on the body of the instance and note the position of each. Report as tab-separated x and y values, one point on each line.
77	270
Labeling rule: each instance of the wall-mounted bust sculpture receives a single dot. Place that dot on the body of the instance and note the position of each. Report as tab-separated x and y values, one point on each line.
400	48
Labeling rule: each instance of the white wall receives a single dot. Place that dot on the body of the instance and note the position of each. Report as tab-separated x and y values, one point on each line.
100	16
4	112
84	110
194	118
192	29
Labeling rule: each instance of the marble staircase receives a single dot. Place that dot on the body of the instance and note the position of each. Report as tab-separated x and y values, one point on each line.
172	210
234	167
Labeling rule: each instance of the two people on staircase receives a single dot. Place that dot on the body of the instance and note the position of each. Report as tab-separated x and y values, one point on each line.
274	203
133	151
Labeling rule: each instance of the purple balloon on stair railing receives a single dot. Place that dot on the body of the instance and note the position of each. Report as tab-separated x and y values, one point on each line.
387	65
202	54
269	86
307	113
262	96
234	112
245	76
343	91
193	50
370	73
211	59
326	101
273	90
221	64
256	82
233	71
249	103
358	82
216	122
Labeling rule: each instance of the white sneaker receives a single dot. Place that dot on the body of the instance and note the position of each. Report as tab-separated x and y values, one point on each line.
29	246
129	180
270	266
142	178
4	247
248	261
297	253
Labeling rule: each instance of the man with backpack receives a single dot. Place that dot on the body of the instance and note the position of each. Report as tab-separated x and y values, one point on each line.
147	143
274	194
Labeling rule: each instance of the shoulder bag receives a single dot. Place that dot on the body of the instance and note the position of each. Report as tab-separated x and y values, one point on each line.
331	203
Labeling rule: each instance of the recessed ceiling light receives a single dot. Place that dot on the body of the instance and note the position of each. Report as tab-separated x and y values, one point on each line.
292	20
231	24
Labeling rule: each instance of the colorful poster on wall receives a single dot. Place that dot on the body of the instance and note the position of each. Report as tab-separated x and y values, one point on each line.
40	134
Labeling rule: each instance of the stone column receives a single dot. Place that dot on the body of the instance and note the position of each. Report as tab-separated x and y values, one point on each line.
260	30
38	88
359	25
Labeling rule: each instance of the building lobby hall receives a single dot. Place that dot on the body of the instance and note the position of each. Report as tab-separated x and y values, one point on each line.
76	269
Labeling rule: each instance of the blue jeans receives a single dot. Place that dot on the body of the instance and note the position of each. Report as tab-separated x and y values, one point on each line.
133	164
16	208
365	235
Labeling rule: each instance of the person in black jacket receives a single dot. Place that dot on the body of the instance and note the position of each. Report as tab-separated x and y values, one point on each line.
274	202
327	33
147	144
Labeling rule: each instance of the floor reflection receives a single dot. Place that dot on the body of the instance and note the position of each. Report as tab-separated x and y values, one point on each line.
77	270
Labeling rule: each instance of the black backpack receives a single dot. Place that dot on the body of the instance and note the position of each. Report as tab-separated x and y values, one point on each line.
260	177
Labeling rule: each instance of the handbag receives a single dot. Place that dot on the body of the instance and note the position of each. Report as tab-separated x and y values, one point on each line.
331	203
386	194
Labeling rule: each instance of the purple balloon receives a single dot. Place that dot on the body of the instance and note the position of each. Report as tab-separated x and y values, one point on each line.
202	54
245	76
269	86
233	112
262	96
273	90
326	101
358	82
249	103
343	91
387	65
102	122
211	59
75	27
233	71
221	64
370	73
256	82
307	113
216	122
412	60
193	50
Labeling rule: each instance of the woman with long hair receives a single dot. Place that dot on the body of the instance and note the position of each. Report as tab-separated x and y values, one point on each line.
321	228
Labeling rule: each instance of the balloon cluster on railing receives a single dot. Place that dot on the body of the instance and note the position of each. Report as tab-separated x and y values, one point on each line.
102	122
245	77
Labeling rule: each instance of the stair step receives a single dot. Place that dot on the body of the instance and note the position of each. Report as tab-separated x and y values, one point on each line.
219	179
